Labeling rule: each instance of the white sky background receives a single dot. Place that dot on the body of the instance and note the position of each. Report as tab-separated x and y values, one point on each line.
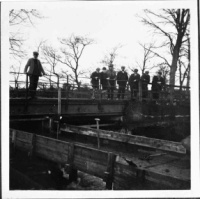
108	23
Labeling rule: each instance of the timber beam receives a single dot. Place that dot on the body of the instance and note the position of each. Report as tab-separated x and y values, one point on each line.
129	139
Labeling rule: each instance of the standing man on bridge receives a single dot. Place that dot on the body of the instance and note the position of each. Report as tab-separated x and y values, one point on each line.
95	80
95	77
157	85
111	81
122	78
145	81
134	83
104	80
35	70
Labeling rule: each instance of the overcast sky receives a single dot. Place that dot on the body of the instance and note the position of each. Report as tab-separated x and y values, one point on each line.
108	23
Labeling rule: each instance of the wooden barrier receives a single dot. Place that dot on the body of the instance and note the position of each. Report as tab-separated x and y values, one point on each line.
108	166
129	139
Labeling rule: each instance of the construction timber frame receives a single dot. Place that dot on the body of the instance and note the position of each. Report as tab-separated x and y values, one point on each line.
174	147
96	162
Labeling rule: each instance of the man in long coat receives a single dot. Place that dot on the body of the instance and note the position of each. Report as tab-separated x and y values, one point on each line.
35	70
145	81
111	81
95	79
157	85
122	78
104	80
134	83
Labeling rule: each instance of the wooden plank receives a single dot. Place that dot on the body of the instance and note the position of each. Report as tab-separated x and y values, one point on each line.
27	120
91	154
50	154
22	134
54	144
22	145
130	177
13	139
130	139
100	125
125	176
170	182
32	146
90	167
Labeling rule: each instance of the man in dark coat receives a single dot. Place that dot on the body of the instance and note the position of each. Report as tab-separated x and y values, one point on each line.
157	85
104	80
35	70
95	77
134	83
122	78
111	81
145	81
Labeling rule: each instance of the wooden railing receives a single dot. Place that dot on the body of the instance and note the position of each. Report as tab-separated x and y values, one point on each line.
87	92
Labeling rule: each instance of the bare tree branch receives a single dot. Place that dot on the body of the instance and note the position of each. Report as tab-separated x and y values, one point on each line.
16	18
72	51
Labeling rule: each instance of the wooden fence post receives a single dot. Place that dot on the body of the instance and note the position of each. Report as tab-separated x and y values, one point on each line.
140	175
69	167
140	90
59	101
13	139
98	139
110	170
32	145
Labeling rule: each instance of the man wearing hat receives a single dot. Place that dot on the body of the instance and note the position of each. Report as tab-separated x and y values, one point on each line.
111	81
122	78
134	83
104	81
157	85
95	77
145	81
35	70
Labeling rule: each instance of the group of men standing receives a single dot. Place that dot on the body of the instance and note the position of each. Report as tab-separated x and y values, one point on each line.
108	78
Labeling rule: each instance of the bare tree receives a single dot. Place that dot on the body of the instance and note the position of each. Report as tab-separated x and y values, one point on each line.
179	20
182	74
147	55
72	51
184	64
17	18
51	57
40	44
16	72
110	57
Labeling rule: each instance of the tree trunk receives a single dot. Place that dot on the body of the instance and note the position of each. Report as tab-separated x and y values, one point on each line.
175	57
188	78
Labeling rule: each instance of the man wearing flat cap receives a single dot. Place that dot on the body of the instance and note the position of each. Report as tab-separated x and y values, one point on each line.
157	85
35	70
111	81
122	78
134	83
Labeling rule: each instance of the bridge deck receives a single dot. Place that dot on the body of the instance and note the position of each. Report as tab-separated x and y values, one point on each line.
49	106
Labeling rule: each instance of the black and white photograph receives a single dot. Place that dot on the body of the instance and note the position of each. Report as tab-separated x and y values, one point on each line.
100	99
